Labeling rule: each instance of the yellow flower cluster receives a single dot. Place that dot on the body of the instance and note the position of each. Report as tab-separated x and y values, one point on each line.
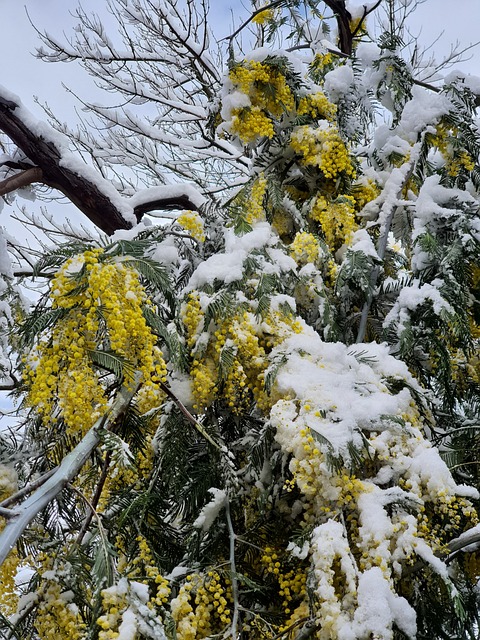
263	16
304	248
145	568
251	123
103	305
317	106
320	61
292	583
364	192
134	474
462	160
357	25
193	223
472	566
440	138
282	223
8	573
254	204
465	367
265	85
202	606
322	147
249	343
336	218
269	96
192	316
330	493
114	603
455	160
57	616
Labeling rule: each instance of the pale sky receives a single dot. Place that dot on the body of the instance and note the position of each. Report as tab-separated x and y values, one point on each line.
22	74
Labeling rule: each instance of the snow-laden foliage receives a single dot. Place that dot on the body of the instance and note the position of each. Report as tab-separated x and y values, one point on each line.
258	418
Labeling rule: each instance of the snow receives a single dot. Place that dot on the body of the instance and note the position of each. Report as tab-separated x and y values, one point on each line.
471	82
164	192
378	608
425	108
233	100
128	627
362	241
332	377
339	82
5	265
210	511
228	266
430	209
181	386
412	297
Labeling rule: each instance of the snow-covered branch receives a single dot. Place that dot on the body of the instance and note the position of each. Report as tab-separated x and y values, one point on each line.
48	151
60	169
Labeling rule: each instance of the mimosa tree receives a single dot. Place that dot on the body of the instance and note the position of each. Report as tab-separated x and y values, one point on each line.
247	407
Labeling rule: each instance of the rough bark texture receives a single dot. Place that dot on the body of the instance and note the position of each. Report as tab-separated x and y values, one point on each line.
345	36
46	167
45	155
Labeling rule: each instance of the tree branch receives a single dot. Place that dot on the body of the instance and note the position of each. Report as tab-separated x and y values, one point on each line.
19	180
15	497
233	572
343	17
82	185
464	540
40	144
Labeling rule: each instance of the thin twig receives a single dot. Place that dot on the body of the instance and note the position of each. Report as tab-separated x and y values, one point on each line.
95	500
189	416
266	7
290	628
92	509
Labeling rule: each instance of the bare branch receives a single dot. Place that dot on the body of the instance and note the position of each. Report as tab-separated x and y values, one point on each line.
20	180
43	151
27	489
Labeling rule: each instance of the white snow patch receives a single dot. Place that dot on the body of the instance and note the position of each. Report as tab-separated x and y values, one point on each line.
210	511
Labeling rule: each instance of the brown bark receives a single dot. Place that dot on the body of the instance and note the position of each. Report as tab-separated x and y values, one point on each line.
82	192
44	154
19	180
345	36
